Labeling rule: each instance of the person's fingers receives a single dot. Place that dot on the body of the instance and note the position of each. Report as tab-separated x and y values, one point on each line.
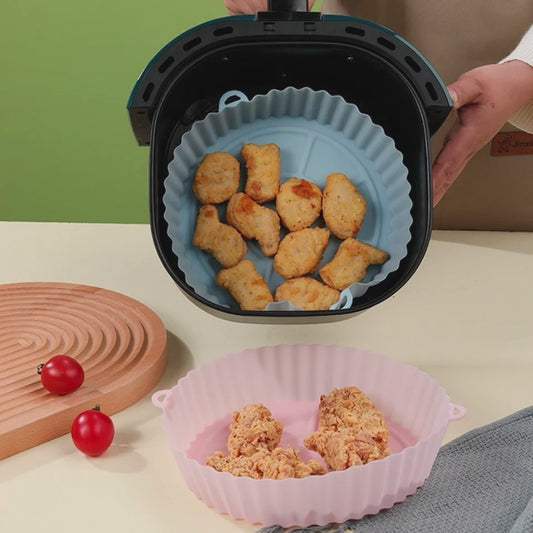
240	7
459	147
230	6
484	99
444	177
236	7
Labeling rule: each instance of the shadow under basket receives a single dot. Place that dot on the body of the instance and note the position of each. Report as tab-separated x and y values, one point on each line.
367	65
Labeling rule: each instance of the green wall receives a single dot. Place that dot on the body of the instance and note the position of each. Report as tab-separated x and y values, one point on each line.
67	152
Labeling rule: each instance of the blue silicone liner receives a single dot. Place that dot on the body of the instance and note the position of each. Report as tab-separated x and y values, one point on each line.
318	134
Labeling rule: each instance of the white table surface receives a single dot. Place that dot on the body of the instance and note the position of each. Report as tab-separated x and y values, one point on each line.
465	318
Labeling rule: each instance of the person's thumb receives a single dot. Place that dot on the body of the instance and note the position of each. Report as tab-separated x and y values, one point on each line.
465	90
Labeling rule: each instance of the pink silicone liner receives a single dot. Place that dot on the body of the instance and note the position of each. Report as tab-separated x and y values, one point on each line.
287	378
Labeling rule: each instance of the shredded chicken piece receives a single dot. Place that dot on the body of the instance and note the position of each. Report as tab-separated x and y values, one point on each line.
280	463
351	430
253	429
254	451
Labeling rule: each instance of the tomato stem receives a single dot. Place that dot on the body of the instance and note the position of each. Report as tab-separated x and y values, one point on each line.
40	368
96	408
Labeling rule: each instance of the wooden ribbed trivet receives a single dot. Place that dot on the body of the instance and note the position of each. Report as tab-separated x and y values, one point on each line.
120	343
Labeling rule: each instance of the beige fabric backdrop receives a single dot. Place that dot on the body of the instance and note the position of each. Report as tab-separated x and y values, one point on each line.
456	36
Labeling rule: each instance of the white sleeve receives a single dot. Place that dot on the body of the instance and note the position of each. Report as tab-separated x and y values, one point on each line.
523	118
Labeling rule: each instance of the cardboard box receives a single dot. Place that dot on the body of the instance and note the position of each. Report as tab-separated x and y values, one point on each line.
495	190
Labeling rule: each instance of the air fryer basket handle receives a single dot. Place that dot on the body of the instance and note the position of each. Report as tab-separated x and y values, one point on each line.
288	5
288	10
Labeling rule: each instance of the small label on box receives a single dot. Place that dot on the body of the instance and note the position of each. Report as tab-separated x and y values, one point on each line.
512	143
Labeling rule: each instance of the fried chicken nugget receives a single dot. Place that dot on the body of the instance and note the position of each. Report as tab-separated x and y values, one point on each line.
377	256
343	206
299	203
217	178
222	241
300	252
246	286
264	171
307	294
255	221
350	264
253	428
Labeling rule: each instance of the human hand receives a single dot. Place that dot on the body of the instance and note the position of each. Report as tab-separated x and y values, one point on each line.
245	7
484	99
250	7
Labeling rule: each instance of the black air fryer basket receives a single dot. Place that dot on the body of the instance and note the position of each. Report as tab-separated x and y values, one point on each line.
288	46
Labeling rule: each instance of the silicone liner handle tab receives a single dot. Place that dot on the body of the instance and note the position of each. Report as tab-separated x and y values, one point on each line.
456	412
231	99
159	397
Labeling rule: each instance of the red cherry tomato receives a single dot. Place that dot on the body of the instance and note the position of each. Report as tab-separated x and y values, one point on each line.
61	375
92	432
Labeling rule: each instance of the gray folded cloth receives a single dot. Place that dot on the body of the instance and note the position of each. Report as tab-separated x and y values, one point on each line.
481	482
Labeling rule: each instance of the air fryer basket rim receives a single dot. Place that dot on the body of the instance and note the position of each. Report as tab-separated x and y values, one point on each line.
187	47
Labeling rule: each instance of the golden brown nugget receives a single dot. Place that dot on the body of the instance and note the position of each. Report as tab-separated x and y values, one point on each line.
217	178
263	164
222	241
350	263
348	266
255	221
299	203
253	429
343	206
307	294
300	252
376	256
246	286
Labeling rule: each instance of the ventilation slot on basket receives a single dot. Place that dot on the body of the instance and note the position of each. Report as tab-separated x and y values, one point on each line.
355	31
412	63
309	26
223	31
191	44
431	90
269	26
148	92
386	43
166	63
